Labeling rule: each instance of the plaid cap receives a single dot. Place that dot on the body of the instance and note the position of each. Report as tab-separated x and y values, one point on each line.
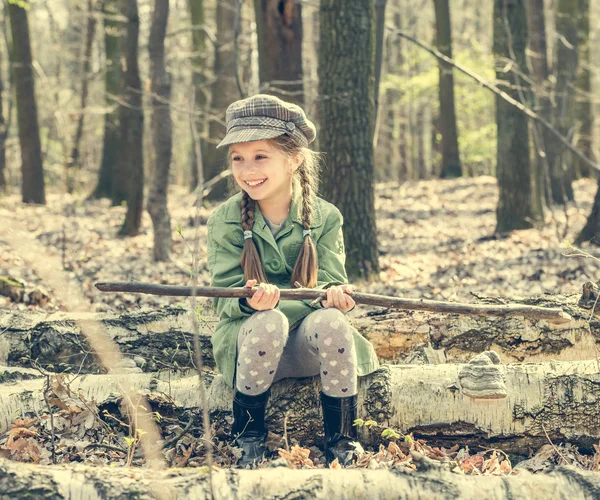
265	116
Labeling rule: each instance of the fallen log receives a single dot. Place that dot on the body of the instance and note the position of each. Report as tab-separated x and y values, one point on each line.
515	410
433	482
162	338
502	310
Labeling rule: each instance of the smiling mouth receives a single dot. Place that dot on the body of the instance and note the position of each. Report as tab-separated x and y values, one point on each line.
256	184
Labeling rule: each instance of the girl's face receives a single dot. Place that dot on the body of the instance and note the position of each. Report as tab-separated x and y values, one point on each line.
261	170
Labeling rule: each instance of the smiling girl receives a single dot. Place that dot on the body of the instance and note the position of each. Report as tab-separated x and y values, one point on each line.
274	233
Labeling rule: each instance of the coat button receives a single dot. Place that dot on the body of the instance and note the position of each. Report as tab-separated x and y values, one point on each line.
275	264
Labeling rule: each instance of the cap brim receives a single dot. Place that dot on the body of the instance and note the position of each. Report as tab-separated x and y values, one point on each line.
248	135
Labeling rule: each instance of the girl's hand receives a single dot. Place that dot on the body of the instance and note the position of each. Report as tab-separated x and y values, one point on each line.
338	297
265	297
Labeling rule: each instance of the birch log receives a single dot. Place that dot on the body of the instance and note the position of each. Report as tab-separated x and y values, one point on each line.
19	481
432	401
157	339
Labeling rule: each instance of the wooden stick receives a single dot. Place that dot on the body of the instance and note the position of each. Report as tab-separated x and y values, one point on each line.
553	315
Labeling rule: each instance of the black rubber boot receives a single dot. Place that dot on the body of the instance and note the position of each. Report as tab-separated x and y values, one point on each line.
338	419
249	431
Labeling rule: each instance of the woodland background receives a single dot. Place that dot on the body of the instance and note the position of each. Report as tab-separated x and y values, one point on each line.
108	172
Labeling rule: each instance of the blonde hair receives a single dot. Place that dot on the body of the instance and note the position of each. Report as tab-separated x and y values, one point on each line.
306	178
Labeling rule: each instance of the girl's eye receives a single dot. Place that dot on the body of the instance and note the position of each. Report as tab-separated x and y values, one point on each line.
260	156
236	158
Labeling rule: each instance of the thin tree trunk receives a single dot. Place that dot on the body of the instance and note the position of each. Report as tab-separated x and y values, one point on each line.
73	161
514	209
3	133
584	108
161	133
379	41
112	78
450	153
130	160
567	14
279	31
197	19
224	92
347	68
538	58
32	188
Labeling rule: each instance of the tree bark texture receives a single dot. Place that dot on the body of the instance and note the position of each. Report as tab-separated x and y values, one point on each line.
224	91
161	133
73	161
514	209
130	159
450	154
430	481
347	120
32	187
511	407
112	77
279	32
158	339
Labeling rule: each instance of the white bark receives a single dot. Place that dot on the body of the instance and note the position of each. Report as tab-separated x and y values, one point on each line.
559	397
78	481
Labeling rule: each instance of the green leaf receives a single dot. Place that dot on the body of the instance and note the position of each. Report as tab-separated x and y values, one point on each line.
20	3
359	422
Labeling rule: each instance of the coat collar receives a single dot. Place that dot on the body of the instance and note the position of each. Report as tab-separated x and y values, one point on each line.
233	211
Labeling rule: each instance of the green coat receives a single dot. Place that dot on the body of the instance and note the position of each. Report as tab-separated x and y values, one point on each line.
278	255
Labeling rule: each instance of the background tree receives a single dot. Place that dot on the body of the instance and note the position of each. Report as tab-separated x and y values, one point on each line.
32	187
347	120
113	30
73	160
130	158
538	57
279	32
567	18
447	120
223	92
513	167
161	133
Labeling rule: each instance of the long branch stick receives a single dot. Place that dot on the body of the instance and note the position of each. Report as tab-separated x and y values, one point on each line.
554	315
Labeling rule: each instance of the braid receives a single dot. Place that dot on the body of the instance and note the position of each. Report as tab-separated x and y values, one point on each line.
250	260
306	268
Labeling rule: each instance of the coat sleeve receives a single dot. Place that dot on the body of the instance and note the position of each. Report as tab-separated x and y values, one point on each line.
332	255
223	258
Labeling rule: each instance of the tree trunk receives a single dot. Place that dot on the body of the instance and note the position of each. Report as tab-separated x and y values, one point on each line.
430	481
543	138
32	188
73	160
510	407
161	133
112	78
224	92
379	41
347	120
567	18
279	32
583	106
515	209
161	339
3	134
197	19
130	160
450	154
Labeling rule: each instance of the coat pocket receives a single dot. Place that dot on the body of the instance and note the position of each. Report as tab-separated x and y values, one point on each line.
291	255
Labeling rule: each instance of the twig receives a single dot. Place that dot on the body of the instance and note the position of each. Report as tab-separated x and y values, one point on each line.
107	446
553	446
180	435
554	315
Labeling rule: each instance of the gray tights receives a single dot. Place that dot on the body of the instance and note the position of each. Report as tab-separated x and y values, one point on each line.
322	343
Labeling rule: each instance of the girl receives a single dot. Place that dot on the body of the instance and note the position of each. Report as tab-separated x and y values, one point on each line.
276	232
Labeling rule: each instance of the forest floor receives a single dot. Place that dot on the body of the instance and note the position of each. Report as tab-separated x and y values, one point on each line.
435	238
436	242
